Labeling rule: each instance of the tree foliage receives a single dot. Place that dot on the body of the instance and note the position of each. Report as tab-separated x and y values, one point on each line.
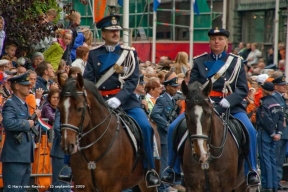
22	21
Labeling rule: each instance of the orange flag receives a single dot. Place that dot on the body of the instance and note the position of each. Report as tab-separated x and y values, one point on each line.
99	9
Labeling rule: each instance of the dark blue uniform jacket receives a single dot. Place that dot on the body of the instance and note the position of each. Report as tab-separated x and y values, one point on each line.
99	62
239	86
15	115
270	115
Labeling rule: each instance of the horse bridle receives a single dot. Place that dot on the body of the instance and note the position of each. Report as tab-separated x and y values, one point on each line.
208	138
79	129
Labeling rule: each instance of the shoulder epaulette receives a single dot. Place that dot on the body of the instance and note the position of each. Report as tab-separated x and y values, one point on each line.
127	47
203	54
235	55
98	46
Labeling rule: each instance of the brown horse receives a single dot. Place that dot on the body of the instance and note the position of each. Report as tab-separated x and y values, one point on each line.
103	155
211	160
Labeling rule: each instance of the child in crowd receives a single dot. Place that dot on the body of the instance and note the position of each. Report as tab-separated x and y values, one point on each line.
82	53
56	50
74	19
88	37
10	51
2	34
51	15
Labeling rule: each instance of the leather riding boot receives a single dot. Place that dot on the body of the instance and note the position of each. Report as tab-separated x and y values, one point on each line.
152	178
65	178
171	178
253	178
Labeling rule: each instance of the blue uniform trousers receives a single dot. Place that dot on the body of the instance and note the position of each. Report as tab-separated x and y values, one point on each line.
16	175
280	155
59	167
266	148
242	117
141	118
171	152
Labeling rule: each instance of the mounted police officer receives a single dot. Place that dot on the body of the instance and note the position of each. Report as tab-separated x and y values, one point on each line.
227	74
163	113
270	119
280	86
115	70
18	150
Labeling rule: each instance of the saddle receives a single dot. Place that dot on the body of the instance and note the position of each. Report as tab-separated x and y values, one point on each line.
132	128
236	128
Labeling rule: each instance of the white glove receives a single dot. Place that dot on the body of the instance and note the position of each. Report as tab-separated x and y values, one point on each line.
224	103
114	102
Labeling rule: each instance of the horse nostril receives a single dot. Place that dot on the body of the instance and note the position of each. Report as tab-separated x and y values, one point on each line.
71	148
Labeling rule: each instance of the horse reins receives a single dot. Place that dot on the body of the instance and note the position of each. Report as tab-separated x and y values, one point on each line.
80	134
205	166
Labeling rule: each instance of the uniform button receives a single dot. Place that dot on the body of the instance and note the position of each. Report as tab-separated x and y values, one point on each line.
98	63
224	79
106	95
206	69
103	87
117	86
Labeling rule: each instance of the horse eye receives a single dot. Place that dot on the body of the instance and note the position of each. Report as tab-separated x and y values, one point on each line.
79	109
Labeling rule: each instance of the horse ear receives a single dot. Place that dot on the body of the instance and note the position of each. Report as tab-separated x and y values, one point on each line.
61	81
80	80
206	91
184	88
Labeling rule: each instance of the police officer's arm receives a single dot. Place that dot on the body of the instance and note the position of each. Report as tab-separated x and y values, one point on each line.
280	121
130	83
156	114
89	73
10	120
266	121
241	88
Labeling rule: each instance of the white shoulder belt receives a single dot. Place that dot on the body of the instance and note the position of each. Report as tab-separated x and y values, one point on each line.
222	70
113	69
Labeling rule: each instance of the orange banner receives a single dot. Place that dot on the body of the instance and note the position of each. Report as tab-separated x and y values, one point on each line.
99	9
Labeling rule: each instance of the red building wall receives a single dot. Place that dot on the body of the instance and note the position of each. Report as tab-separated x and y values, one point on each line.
169	48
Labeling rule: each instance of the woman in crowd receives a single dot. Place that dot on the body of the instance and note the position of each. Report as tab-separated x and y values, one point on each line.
153	89
49	108
37	58
181	63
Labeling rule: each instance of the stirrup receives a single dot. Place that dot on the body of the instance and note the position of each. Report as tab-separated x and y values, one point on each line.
172	172
156	175
257	175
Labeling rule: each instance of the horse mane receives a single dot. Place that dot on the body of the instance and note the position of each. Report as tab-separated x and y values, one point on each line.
70	86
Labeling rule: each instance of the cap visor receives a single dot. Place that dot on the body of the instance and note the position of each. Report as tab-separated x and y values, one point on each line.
25	83
117	27
282	83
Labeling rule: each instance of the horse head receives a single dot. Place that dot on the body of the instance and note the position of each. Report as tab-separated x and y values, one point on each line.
74	110
198	113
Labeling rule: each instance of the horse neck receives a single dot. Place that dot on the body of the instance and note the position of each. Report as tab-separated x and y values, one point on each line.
101	121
